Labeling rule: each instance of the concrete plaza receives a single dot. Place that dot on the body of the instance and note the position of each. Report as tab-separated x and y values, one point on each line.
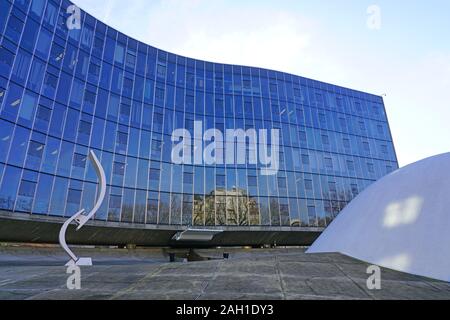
249	274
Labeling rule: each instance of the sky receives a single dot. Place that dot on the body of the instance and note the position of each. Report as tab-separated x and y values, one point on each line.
407	58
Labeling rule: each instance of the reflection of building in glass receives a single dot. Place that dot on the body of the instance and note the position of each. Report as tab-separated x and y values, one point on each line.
64	92
226	207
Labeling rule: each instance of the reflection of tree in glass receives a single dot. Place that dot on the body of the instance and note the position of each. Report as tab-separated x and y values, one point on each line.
253	212
139	213
221	207
334	202
127	213
198	211
210	219
164	211
275	211
175	209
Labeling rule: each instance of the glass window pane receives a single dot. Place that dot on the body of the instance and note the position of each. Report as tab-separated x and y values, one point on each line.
8	188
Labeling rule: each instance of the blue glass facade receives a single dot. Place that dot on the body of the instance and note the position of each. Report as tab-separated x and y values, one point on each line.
64	92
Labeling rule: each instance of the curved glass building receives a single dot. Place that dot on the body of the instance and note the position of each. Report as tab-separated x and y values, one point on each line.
64	92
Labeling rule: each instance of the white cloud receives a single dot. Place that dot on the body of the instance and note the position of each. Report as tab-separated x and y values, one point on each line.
256	36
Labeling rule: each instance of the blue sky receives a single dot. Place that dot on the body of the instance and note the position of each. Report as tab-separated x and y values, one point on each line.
408	59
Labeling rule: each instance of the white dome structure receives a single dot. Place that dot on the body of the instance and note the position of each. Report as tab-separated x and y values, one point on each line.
401	222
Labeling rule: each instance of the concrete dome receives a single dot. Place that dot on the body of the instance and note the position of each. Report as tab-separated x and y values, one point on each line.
401	222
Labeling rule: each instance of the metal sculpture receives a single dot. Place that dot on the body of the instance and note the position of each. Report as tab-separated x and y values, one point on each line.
80	218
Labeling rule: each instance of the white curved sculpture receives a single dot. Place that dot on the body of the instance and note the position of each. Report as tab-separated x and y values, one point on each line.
80	218
401	222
